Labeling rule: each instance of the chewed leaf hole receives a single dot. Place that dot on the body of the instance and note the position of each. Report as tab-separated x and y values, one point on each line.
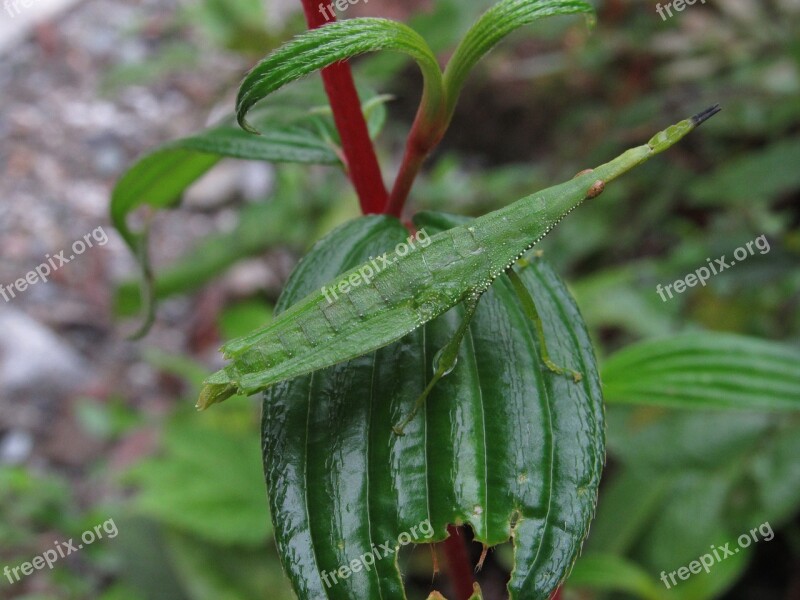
426	568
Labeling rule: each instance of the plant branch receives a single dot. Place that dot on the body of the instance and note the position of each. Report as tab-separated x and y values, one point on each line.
362	163
459	566
427	131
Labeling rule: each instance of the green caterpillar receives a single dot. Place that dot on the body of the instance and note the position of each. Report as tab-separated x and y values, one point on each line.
455	266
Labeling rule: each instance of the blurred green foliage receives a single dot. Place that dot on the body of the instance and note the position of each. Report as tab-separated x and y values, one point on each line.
557	99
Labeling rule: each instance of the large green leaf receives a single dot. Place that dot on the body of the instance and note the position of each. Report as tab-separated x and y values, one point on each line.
502	443
705	370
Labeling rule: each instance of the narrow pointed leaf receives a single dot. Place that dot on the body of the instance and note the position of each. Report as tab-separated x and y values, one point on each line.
159	178
502	443
495	24
705	370
337	41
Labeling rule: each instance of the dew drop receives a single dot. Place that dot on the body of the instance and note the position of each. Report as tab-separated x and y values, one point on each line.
438	357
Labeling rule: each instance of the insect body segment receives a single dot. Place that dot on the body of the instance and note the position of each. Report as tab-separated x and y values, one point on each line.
413	288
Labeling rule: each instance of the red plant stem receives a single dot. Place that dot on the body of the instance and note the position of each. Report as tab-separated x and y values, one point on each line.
362	163
425	134
458	563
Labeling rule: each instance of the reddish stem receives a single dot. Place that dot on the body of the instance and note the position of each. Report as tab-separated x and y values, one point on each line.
425	135
458	563
362	164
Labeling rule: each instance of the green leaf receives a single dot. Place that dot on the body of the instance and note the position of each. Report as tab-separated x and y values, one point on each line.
688	479
282	220
705	370
337	41
211	572
762	175
175	487
495	24
502	443
159	178
374	113
606	572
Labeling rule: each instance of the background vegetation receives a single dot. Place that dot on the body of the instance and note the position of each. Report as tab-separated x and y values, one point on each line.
190	505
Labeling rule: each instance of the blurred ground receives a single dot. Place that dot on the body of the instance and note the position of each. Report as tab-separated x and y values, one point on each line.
63	145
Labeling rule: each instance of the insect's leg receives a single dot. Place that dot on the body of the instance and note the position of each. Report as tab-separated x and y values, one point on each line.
529	306
444	361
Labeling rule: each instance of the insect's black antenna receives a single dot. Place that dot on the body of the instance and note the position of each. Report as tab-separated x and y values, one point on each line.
705	115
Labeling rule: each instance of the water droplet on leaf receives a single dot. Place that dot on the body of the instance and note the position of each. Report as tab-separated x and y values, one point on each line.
437	359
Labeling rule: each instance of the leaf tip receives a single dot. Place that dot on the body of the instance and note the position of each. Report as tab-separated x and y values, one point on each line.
245	124
705	115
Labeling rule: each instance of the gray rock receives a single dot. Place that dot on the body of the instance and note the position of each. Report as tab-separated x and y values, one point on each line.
34	360
15	447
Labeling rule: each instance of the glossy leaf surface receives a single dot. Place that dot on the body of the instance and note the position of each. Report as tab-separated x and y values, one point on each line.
501	444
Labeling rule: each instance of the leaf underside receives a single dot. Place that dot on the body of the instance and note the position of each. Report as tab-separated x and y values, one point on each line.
502	444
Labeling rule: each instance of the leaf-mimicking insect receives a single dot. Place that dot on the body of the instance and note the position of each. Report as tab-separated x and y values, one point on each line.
457	265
